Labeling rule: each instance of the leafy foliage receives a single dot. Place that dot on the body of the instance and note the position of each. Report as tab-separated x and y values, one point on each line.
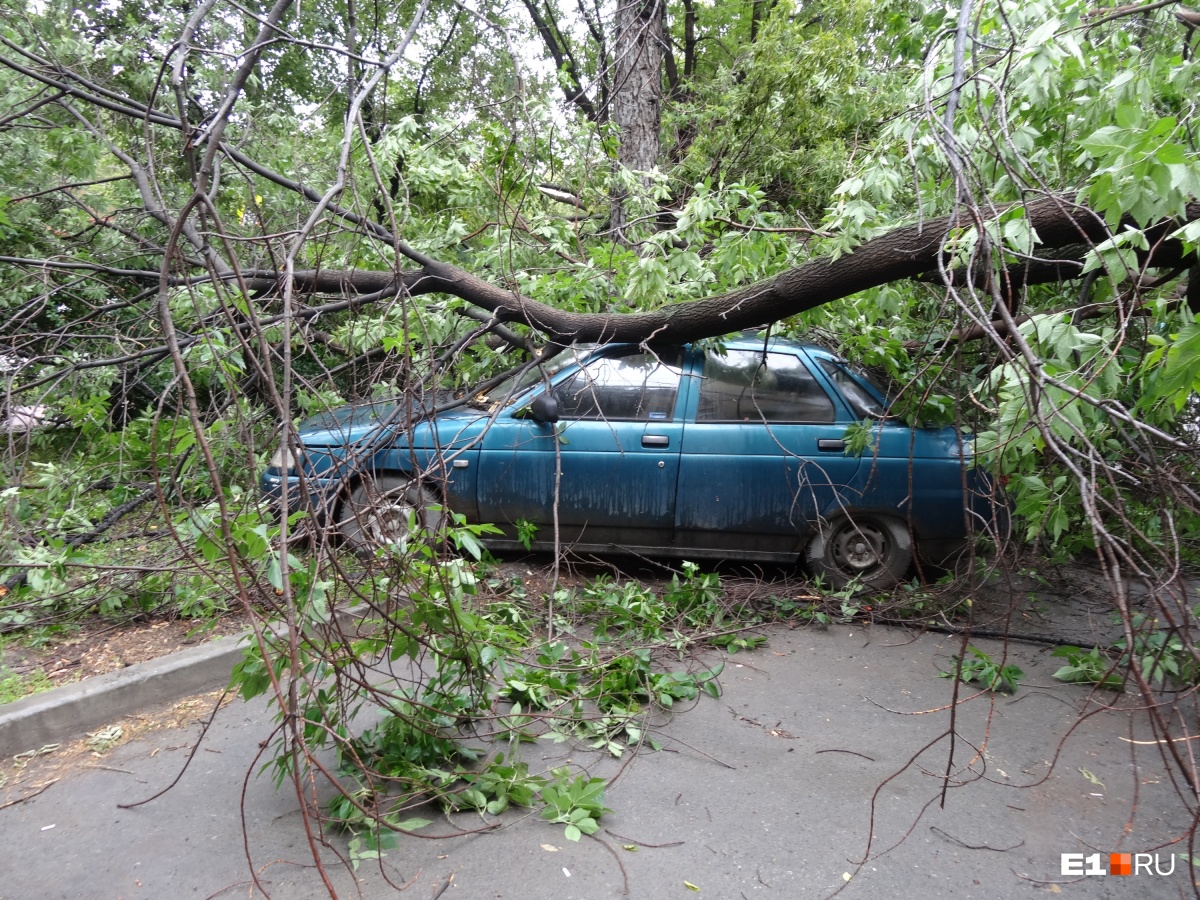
578	804
1161	655
979	668
467	643
1087	667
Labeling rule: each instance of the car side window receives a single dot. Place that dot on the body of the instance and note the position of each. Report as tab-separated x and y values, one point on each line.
864	404
749	386
637	386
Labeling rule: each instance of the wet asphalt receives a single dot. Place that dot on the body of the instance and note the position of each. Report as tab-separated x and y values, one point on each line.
819	770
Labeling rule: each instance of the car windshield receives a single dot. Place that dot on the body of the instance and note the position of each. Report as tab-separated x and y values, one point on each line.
860	392
516	385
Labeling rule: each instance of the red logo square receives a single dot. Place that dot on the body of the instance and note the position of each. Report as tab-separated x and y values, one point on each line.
1120	864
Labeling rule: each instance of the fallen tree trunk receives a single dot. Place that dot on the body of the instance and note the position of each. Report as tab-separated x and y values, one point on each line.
1066	231
911	251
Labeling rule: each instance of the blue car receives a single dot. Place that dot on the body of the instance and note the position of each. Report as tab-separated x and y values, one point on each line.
736	451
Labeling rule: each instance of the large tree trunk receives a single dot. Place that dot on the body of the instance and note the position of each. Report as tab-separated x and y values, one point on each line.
1066	230
636	97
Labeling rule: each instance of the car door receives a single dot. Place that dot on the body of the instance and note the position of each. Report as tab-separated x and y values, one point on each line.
618	445
762	457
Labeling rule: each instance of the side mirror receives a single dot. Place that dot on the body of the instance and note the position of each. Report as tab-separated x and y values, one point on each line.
544	407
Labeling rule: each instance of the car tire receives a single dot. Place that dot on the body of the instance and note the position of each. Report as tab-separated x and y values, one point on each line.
875	550
379	509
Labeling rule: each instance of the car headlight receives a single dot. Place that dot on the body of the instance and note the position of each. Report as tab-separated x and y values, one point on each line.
285	460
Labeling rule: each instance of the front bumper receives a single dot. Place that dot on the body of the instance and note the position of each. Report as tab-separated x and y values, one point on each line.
317	496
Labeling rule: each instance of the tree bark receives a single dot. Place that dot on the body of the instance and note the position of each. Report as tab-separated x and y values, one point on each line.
636	97
911	251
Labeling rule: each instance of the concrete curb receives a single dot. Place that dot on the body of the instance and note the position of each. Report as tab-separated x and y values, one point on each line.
67	712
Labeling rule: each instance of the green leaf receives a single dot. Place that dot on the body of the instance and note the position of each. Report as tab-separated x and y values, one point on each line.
466	541
1171	154
414	824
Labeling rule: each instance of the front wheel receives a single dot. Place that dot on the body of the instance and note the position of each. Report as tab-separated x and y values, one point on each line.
387	509
874	550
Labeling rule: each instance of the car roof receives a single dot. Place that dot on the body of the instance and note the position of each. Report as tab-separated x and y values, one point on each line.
753	340
743	340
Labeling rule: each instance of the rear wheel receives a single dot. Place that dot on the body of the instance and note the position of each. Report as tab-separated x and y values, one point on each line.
875	550
387	509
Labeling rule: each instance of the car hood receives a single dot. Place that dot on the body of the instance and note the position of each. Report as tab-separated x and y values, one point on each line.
349	424
384	421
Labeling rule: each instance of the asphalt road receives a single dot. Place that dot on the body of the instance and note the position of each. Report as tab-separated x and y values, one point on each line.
825	749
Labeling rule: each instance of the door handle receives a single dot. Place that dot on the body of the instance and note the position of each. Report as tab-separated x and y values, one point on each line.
831	444
655	440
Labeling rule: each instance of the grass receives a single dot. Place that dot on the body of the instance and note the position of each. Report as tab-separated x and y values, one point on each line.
14	686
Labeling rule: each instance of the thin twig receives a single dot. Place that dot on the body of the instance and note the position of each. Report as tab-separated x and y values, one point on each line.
951	837
621	837
191	755
624	874
28	796
851	752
